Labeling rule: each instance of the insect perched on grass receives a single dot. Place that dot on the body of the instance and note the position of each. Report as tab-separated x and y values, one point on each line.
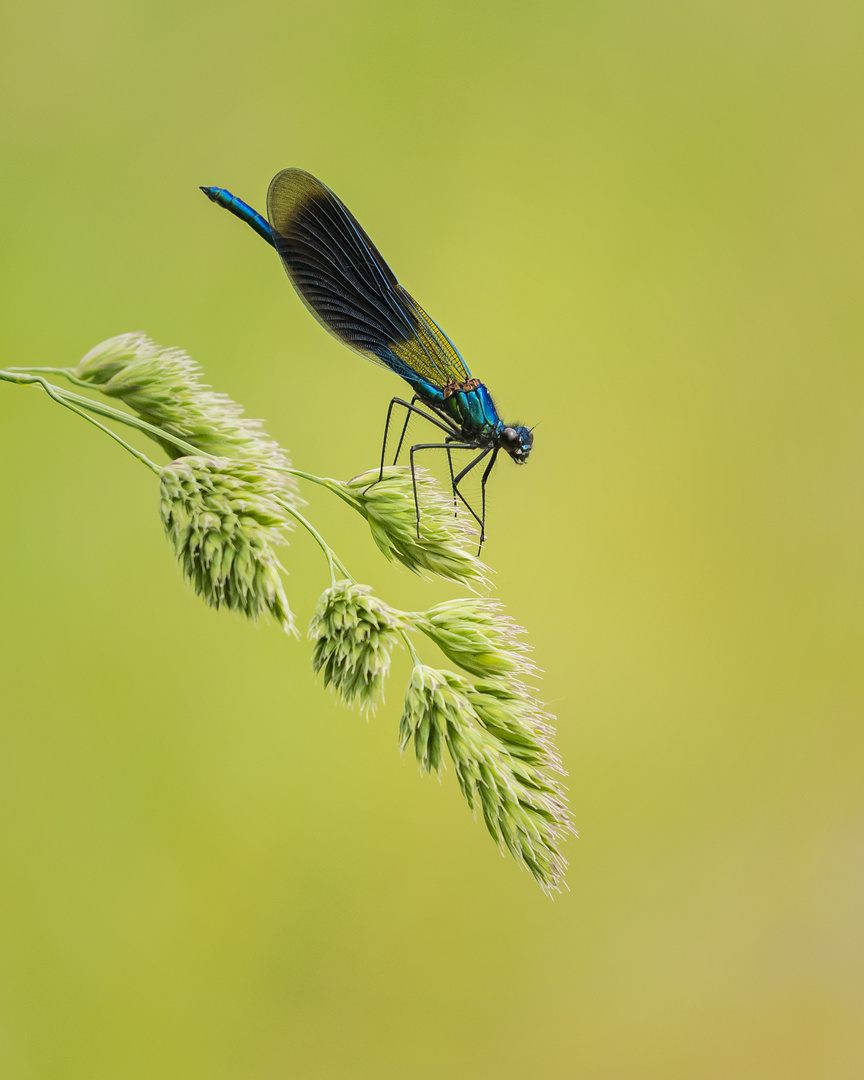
346	284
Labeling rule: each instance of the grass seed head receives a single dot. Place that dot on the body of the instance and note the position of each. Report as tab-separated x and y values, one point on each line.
354	634
165	388
523	806
224	520
446	542
475	633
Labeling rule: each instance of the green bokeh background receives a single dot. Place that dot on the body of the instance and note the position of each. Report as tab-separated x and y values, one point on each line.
642	224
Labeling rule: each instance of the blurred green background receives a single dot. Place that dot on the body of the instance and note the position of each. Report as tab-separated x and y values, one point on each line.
642	224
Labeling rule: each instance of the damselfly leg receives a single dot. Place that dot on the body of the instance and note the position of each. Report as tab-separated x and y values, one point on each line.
452	481
404	430
409	408
486	473
441	446
454	441
449	455
481	521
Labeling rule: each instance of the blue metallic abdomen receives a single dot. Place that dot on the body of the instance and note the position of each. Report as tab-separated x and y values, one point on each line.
223	197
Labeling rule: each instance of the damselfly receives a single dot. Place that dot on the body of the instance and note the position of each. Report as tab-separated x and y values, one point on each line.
349	288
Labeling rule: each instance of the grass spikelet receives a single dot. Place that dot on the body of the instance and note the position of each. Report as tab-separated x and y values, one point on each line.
224	520
165	388
446	540
354	635
498	766
475	633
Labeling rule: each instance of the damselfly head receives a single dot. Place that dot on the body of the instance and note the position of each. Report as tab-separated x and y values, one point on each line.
517	441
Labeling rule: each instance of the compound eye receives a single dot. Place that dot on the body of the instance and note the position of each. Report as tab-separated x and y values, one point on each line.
510	435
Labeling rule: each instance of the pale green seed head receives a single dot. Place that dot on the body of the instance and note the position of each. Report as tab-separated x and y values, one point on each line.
224	520
165	388
110	357
430	706
446	544
354	635
475	633
509	712
505	771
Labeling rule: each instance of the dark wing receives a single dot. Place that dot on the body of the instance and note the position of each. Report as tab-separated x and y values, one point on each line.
343	280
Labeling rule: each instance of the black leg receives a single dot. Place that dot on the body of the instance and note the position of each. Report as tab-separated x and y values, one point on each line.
409	408
452	481
471	464
486	473
439	446
463	474
404	429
